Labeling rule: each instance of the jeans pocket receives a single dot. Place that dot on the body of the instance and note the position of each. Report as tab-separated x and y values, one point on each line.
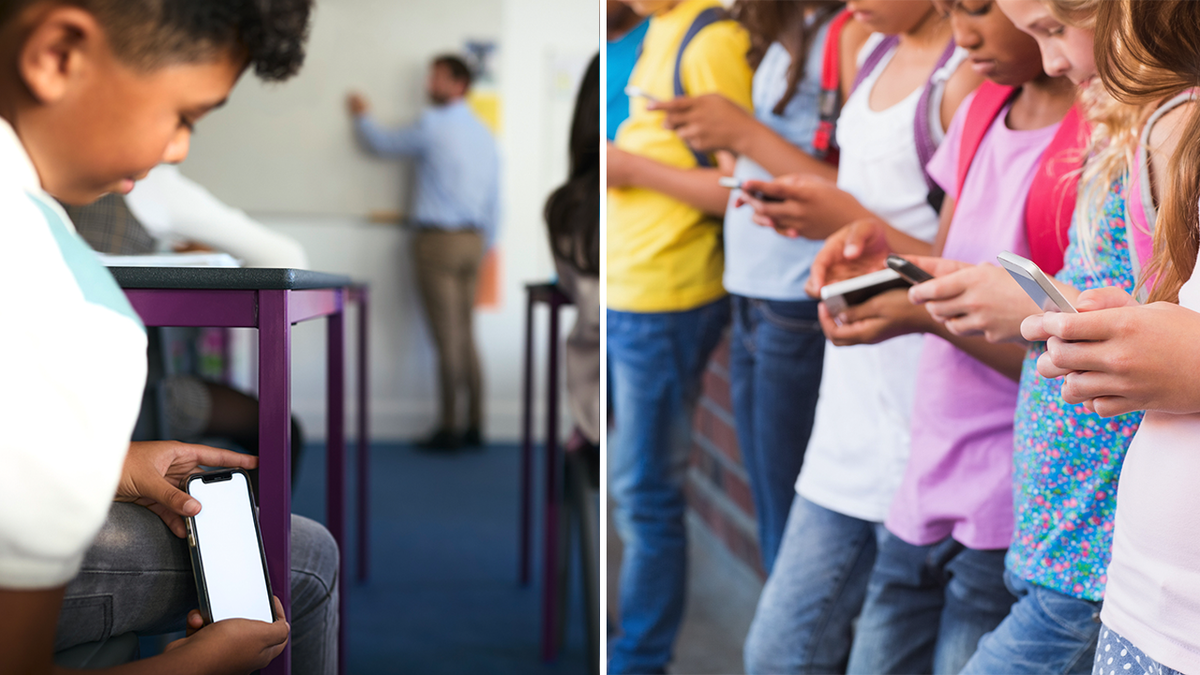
794	317
1073	615
84	619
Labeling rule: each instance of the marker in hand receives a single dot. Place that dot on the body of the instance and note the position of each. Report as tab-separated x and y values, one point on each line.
736	184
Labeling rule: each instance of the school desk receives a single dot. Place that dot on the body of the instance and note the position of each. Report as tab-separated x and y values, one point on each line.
272	300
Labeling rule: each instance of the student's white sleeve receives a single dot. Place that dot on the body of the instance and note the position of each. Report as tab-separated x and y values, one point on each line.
70	388
169	203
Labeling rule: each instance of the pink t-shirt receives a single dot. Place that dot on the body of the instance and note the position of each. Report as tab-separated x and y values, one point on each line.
1153	593
958	481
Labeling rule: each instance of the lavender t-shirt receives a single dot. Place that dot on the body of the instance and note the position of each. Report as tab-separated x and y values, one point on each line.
958	481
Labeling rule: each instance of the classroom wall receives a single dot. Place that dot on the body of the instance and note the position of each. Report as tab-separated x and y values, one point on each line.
277	152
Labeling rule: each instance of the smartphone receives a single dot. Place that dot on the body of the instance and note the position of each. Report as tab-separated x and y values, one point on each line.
1036	283
226	546
634	91
841	295
736	184
911	273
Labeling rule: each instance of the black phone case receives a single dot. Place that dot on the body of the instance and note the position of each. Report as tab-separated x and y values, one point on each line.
911	273
194	544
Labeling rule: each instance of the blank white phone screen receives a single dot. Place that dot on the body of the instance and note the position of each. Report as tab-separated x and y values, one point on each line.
228	543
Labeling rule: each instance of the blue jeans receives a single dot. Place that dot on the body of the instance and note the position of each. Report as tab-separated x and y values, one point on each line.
927	607
1045	632
775	363
804	619
656	361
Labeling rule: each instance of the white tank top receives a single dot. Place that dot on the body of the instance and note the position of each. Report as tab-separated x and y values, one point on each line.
859	446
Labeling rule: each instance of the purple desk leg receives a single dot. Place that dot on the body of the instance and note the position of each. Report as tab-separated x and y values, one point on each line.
550	587
274	451
335	458
526	440
364	440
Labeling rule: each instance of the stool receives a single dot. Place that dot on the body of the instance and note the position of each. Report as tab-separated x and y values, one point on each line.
550	295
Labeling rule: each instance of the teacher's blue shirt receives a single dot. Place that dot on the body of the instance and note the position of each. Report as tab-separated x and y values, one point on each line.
458	167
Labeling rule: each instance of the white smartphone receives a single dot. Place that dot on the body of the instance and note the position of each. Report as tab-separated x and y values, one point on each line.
736	184
1036	283
634	91
228	561
840	295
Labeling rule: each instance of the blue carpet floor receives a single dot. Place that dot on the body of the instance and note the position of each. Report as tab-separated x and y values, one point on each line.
443	595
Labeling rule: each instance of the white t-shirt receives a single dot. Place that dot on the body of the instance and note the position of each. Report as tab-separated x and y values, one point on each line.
169	204
1153	593
860	440
70	387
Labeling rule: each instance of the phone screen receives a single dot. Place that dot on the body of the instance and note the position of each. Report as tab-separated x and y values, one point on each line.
229	550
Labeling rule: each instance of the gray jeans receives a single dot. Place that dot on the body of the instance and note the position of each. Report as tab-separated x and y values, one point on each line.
137	576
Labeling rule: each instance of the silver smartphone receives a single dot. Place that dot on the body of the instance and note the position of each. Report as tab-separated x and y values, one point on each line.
840	295
1036	283
228	561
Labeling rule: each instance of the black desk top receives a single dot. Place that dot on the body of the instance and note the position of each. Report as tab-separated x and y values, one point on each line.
227	278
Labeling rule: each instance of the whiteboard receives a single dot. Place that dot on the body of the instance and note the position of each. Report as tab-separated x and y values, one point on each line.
290	148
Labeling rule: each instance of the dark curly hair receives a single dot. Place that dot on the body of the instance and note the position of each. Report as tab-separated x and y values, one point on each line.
573	210
148	34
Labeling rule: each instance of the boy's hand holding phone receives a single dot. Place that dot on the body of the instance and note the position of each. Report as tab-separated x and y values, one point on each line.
708	122
972	300
231	646
802	205
154	469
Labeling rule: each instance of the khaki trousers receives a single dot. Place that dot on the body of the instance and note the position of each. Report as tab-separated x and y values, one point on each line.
447	265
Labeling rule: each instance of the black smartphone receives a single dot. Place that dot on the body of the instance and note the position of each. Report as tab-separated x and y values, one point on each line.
911	273
225	541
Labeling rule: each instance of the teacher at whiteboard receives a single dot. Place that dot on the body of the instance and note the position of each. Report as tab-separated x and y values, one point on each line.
455	214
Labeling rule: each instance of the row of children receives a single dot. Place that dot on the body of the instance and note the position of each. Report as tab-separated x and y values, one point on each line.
94	95
947	499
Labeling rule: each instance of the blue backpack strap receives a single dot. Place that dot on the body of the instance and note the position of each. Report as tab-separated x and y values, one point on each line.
703	20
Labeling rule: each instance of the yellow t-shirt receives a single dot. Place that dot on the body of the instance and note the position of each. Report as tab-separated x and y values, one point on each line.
664	255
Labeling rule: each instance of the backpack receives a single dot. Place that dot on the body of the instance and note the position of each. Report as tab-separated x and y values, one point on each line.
1051	200
829	101
925	143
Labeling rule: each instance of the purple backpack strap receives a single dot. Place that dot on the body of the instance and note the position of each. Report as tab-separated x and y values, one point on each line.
885	45
926	146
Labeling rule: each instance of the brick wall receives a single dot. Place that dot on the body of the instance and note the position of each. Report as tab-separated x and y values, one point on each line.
717	486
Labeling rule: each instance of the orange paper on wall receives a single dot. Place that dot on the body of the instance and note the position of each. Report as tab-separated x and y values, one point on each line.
487	292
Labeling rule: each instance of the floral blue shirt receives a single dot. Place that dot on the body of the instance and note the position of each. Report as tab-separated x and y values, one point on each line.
1066	460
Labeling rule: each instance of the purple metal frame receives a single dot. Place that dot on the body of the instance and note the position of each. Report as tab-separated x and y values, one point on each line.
552	498
273	312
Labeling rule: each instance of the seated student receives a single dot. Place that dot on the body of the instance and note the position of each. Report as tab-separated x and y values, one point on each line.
99	93
938	582
181	210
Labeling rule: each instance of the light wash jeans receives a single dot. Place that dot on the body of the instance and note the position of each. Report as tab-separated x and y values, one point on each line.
776	357
805	614
656	361
927	607
1045	632
137	576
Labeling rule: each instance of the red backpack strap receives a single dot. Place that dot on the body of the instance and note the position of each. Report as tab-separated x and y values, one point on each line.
1051	200
829	101
990	99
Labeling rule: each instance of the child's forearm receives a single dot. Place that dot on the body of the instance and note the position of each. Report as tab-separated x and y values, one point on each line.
1005	358
697	187
779	157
